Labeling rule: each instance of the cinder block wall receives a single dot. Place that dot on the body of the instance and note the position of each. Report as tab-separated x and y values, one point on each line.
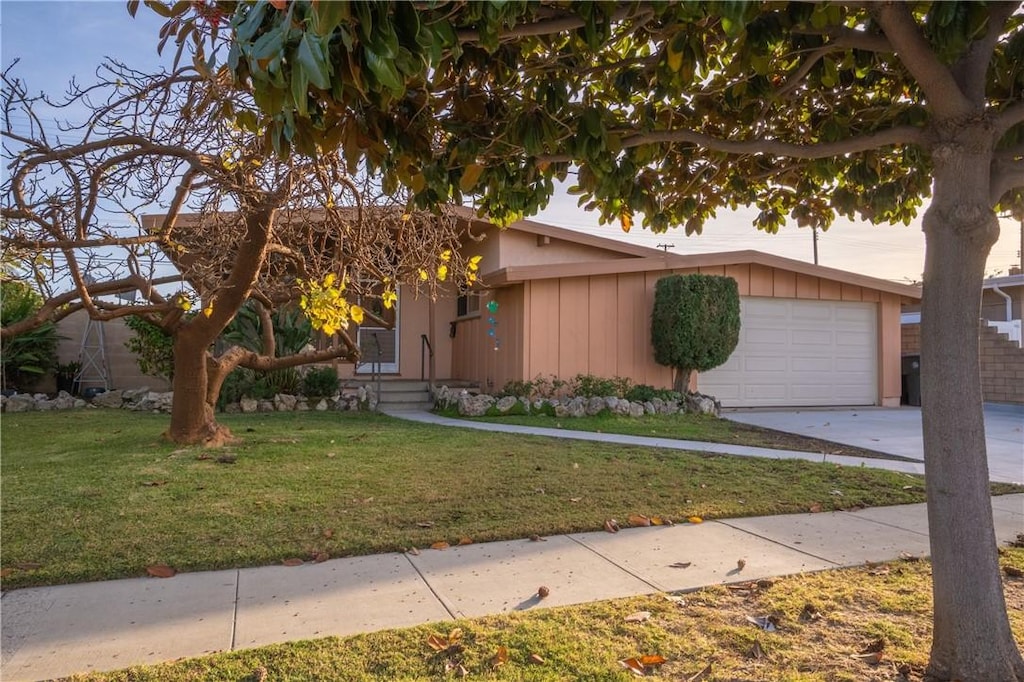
1002	363
1002	368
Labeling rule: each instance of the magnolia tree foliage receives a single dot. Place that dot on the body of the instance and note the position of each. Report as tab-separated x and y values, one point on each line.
174	168
695	324
669	111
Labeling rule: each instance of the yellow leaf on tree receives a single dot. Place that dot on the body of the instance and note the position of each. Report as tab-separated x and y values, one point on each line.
424	275
330	279
208	310
446	255
389	298
442	272
626	221
357	314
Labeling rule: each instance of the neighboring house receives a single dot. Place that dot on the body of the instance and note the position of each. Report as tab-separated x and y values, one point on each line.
1000	342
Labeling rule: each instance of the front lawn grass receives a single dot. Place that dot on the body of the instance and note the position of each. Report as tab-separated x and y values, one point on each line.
704	428
95	494
830	624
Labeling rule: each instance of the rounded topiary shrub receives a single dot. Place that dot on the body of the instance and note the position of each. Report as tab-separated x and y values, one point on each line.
695	325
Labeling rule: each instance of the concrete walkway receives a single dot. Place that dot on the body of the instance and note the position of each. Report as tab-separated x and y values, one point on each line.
56	631
906	465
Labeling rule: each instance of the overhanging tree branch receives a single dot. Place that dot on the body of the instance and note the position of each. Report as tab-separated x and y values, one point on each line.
934	78
898	135
971	69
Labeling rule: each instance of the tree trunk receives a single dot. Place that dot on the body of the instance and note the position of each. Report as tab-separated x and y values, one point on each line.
193	421
972	640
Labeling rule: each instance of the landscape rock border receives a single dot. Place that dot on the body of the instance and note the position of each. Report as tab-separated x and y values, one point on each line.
479	405
348	399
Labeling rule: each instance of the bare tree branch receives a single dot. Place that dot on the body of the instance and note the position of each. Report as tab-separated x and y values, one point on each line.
844	37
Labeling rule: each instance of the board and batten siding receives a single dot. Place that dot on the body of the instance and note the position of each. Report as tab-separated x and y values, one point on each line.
600	325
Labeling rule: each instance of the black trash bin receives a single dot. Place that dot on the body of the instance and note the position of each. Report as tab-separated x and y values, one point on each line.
911	380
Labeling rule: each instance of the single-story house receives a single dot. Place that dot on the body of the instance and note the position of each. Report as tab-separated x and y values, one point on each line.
570	303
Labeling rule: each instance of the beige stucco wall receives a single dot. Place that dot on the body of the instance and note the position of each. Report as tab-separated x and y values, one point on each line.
123	369
601	325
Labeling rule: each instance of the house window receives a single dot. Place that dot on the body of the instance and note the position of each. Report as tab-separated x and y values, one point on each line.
467	304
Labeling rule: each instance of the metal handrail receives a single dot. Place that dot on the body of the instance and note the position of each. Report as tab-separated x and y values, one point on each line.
424	367
375	367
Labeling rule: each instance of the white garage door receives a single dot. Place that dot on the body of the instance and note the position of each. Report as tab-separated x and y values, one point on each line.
799	353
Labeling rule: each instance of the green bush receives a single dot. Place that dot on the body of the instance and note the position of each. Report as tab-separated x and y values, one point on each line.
590	386
152	346
25	358
320	382
695	324
517	388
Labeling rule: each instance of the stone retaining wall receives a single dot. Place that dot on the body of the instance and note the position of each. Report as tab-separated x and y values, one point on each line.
470	405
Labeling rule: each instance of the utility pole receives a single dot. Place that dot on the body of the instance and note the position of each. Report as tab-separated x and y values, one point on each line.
666	247
814	231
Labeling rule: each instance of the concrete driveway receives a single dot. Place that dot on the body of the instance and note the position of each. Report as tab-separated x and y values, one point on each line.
897	431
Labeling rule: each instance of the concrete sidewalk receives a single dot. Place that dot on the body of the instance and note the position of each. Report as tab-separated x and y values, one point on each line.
55	631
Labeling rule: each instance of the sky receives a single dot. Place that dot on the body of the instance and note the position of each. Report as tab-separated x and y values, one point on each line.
56	41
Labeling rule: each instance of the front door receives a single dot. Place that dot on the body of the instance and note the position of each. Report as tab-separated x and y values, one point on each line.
379	344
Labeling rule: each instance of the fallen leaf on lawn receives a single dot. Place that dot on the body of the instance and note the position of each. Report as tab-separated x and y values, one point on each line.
465	541
27	566
500	657
543	592
634	666
636	520
695	519
756	652
454	636
766	623
321	557
153	484
440	545
295	561
425	524
6	572
536	658
681	564
702	675
661	521
575	499
652	660
874	646
837	493
809	613
414	551
1013	572
367	500
676	599
871	658
202	458
537	538
742	587
741	564
638	617
160	571
815	508
611	525
329	533
437	642
331	455
907	556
